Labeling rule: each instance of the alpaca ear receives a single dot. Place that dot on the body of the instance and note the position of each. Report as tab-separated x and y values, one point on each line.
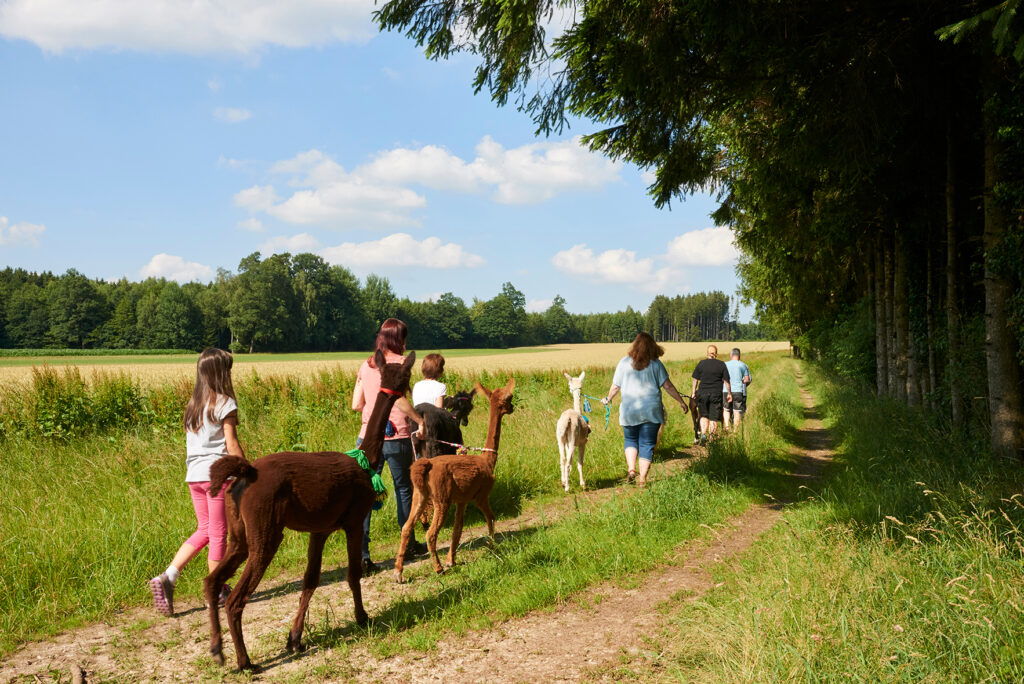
378	360
410	360
583	375
511	386
477	387
472	393
567	376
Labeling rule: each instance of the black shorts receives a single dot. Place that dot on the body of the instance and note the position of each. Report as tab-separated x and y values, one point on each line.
739	402
709	404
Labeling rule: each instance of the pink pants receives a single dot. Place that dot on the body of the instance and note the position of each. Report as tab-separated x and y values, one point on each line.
213	528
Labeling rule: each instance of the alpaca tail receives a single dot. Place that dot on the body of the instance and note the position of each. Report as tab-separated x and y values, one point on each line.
419	473
229	466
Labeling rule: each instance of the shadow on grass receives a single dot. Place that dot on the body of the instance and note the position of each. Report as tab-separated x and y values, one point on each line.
406	612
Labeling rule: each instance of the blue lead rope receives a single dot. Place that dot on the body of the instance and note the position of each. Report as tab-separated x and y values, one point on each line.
379	489
607	409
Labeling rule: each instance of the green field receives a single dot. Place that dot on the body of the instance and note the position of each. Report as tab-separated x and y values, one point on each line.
110	457
902	565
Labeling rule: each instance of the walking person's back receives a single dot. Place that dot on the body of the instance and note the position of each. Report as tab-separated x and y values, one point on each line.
739	378
710	378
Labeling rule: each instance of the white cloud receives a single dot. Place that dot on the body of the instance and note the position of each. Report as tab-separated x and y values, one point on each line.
294	244
619	266
713	247
191	27
231	114
253	225
429	297
539	305
528	174
704	247
648	177
402	249
176	268
380	193
256	198
214	85
19	234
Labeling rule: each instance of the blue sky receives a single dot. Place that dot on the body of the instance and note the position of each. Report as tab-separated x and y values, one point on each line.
171	138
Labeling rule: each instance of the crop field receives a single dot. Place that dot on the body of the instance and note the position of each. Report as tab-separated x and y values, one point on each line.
156	369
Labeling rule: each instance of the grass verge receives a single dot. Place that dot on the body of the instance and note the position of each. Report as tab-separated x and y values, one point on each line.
905	567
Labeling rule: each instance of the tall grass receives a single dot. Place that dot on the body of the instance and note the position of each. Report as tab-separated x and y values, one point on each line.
94	501
905	567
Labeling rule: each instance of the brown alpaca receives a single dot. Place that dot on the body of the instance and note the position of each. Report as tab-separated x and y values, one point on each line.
317	493
457	479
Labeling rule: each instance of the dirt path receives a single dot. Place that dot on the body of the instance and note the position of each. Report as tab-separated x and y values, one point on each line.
136	645
601	625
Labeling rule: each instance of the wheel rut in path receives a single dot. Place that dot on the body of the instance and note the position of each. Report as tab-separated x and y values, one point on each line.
138	645
565	645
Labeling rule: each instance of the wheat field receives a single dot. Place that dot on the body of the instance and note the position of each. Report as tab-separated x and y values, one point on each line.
552	357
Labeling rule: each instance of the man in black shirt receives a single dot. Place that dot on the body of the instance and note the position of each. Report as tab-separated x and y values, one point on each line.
712	376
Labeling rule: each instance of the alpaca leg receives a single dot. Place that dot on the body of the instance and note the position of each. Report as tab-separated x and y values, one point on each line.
354	545
563	462
460	514
579	464
418	503
310	581
440	511
235	555
484	504
259	558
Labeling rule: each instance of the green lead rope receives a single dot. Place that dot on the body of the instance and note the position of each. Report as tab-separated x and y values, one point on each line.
378	483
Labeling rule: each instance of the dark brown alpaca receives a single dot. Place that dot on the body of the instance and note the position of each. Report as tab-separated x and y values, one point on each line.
457	479
317	493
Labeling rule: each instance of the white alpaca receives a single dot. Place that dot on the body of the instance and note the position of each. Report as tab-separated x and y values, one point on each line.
572	432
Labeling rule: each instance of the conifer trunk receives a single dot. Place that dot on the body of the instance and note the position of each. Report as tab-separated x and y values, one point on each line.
929	393
890	323
881	330
1004	399
952	301
900	313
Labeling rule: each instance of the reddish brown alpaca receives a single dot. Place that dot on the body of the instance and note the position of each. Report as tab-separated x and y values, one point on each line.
308	492
457	479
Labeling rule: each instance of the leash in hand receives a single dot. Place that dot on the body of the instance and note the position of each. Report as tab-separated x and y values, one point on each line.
588	409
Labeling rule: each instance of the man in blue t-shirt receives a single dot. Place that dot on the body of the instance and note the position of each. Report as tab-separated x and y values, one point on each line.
739	378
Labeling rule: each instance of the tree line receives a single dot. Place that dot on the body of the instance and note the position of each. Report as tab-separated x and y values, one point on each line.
869	157
301	303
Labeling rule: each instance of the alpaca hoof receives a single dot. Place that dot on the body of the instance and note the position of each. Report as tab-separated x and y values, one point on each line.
218	655
398	577
250	667
294	645
362	620
439	569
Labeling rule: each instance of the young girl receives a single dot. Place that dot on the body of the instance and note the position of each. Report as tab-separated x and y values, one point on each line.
211	431
430	390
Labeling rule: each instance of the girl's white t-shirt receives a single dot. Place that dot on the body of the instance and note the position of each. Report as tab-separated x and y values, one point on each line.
427	392
206	445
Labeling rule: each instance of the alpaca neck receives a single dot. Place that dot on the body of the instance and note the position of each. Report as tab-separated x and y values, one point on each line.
373	440
493	437
576	403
